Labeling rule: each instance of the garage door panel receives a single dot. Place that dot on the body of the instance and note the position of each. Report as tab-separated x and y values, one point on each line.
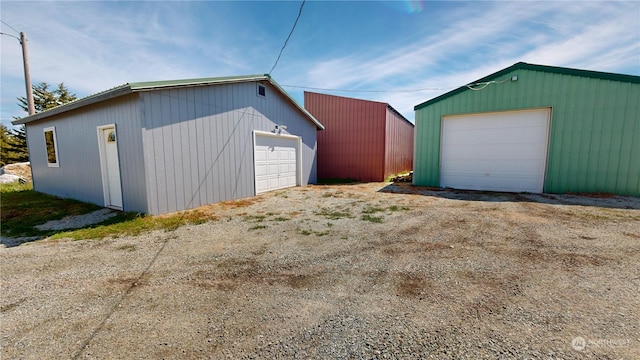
504	183
506	152
261	155
261	169
272	155
499	151
276	162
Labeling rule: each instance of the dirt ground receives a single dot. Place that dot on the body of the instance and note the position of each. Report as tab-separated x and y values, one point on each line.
341	272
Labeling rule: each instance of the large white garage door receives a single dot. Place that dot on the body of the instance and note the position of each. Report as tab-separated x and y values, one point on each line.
503	151
276	161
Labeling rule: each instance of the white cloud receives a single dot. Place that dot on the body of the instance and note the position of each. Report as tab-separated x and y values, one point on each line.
465	50
608	45
94	46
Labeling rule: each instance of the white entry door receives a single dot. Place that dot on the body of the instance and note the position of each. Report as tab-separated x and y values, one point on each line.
110	166
276	161
502	151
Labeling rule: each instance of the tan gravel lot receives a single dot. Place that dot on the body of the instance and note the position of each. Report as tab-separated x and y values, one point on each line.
341	272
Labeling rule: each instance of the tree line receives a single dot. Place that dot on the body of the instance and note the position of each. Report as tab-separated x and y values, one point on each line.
13	142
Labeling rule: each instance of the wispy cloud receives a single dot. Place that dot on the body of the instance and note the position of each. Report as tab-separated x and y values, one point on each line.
468	49
92	46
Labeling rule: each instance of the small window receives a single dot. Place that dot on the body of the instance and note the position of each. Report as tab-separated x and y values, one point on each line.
262	91
111	137
51	145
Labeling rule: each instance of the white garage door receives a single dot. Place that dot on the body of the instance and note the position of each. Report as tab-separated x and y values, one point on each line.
503	151
276	161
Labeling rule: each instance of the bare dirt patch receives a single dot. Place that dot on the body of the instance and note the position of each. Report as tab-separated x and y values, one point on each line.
299	273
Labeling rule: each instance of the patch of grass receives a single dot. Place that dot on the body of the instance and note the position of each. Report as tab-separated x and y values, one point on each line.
329	224
238	203
256	227
272	213
282	194
22	209
398	208
256	218
131	224
280	218
334	214
15	187
390	177
371	210
316	233
127	247
333	194
334	181
373	219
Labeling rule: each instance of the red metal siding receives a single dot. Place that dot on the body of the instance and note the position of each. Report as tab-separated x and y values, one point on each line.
352	143
361	140
398	144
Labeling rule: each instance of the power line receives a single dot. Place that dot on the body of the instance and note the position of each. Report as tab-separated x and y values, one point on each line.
10	27
13	36
288	37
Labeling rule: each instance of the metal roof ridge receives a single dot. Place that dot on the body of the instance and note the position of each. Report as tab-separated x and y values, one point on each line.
132	87
372	101
347	97
535	67
398	113
149	85
87	100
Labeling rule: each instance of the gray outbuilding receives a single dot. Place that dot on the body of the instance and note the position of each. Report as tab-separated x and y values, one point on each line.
160	147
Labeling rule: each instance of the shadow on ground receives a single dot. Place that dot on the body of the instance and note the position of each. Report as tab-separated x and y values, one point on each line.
597	200
67	223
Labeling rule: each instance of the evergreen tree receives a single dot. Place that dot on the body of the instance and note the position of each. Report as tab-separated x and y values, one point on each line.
4	144
45	99
14	145
14	142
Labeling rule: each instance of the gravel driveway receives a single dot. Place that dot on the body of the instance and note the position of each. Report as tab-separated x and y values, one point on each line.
337	272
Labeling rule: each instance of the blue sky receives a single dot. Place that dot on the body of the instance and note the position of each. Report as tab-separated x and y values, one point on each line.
411	50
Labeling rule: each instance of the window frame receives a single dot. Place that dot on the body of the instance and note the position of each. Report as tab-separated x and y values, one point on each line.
258	87
51	129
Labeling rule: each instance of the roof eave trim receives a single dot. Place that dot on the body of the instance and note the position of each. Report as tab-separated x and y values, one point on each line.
171	84
295	103
151	86
526	66
399	114
109	94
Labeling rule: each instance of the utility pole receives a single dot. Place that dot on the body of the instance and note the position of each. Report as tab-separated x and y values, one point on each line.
27	75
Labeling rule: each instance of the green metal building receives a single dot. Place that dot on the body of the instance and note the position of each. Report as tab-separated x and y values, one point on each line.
533	128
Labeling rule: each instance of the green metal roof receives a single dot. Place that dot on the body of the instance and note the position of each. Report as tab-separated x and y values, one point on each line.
150	85
525	66
130	88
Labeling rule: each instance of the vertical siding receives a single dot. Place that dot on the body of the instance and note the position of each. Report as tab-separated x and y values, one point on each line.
594	142
398	144
80	175
199	142
352	145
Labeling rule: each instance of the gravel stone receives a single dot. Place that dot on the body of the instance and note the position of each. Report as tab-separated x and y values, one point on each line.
78	221
446	275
